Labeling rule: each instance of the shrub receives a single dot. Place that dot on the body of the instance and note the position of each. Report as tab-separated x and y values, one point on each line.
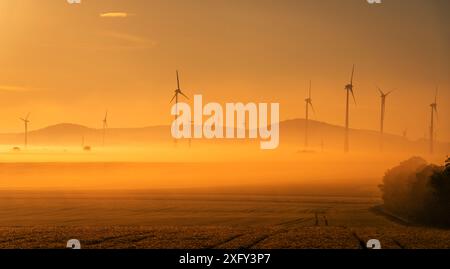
418	191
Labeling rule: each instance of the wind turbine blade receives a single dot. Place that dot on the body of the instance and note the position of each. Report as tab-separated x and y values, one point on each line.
312	107
178	81
173	98
184	95
353	71
28	115
381	92
435	110
353	96
22	119
435	96
310	89
389	92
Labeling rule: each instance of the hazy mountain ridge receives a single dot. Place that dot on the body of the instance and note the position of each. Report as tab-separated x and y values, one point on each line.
292	133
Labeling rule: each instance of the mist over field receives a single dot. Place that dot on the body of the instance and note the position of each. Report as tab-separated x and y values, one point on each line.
359	91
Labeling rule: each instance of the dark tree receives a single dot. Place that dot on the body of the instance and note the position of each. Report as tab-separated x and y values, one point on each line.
418	191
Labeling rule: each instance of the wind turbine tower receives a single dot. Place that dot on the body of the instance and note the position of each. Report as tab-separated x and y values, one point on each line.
383	111
308	102
105	126
349	89
26	121
433	110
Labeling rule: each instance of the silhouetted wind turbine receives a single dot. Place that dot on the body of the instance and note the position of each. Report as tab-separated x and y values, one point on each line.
383	110
405	133
433	110
177	92
26	121
105	125
308	102
349	89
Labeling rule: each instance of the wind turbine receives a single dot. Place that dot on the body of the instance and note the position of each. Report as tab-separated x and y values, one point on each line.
177	92
383	110
105	125
349	89
308	102
433	110
26	121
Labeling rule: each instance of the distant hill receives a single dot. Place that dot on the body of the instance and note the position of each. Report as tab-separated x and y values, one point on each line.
73	134
292	133
62	129
331	137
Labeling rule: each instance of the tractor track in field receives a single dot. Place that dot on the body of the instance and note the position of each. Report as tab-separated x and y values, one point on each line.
25	236
258	240
361	242
400	245
317	219
112	238
379	210
290	223
285	226
231	238
281	227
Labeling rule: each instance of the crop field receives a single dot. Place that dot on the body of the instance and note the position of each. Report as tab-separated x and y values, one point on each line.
203	220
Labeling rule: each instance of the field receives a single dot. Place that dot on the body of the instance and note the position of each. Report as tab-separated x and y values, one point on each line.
203	219
202	205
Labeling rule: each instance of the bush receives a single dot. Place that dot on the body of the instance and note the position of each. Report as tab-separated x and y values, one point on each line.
418	191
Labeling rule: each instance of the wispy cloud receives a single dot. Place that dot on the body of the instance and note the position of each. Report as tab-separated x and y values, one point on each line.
115	15
12	88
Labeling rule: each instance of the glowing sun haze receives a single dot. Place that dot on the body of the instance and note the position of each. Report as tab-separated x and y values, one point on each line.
69	63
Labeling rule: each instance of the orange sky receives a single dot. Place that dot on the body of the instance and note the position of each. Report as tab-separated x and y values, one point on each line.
68	63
